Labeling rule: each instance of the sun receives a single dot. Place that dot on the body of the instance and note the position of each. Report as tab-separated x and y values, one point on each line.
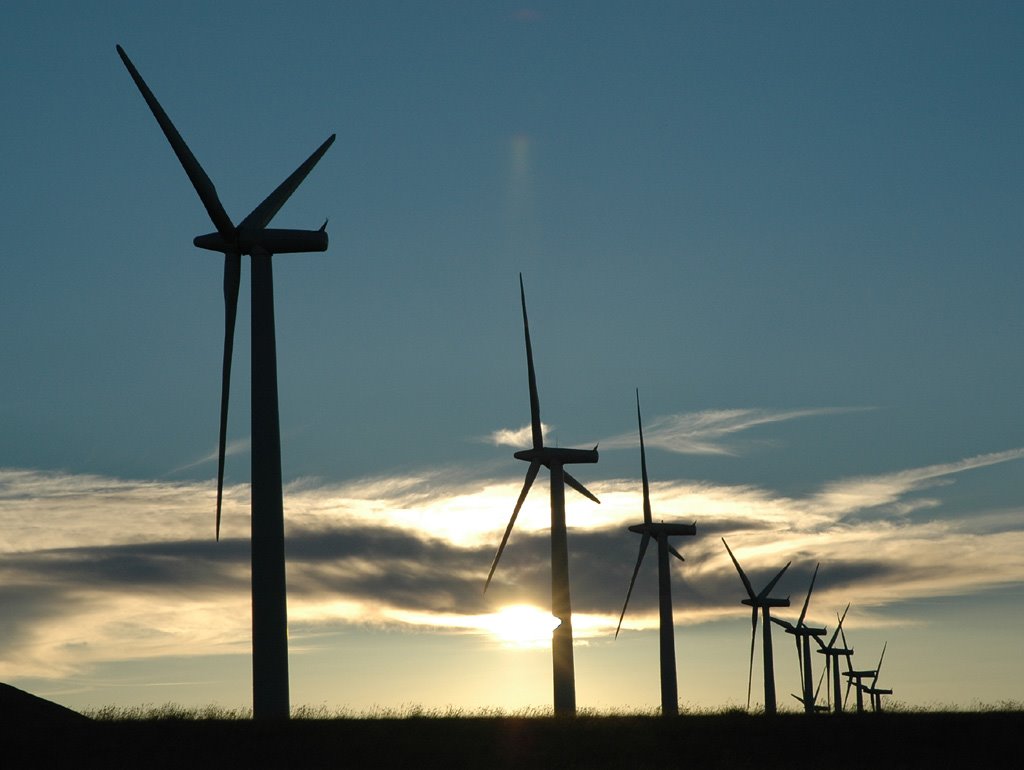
521	625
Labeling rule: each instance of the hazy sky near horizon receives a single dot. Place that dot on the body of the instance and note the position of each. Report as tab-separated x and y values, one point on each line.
795	227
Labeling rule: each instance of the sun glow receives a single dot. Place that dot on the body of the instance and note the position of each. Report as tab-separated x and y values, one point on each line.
521	625
518	626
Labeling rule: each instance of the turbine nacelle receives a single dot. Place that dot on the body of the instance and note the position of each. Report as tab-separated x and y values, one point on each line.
800	630
839	652
807	631
660	529
860	674
271	241
549	456
767	601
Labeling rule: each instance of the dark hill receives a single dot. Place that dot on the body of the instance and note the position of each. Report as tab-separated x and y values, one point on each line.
19	709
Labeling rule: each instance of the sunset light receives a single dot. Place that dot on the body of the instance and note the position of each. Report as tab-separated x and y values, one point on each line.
447	252
521	626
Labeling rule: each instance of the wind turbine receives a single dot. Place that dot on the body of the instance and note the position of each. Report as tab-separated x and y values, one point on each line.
553	458
763	602
832	655
874	691
856	678
802	635
661	533
252	237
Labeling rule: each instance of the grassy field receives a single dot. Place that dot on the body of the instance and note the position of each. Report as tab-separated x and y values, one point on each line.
169	736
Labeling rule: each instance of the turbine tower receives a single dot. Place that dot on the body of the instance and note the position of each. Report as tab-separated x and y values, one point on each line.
763	602
802	635
553	458
661	533
252	237
832	655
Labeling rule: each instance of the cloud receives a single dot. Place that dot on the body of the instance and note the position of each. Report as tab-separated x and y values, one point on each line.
867	492
96	568
238	446
520	438
708	432
42	510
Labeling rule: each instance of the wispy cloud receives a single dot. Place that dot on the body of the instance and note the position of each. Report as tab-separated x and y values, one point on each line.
712	432
238	446
517	437
888	490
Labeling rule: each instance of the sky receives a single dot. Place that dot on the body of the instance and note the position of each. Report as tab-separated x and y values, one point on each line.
793	226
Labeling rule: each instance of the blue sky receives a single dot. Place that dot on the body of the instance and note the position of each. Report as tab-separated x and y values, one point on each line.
793	226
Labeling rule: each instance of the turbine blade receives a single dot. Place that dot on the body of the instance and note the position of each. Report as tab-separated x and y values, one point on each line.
753	637
531	474
262	214
878	668
676	553
572	482
743	575
538	434
643	463
639	559
200	181
820	680
232	277
807	600
768	588
839	627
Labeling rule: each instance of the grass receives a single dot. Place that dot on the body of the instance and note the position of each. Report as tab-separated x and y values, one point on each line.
412	736
175	712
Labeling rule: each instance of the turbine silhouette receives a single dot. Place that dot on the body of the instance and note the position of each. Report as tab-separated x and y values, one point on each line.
252	237
660	532
855	679
873	689
802	635
763	602
553	458
832	655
